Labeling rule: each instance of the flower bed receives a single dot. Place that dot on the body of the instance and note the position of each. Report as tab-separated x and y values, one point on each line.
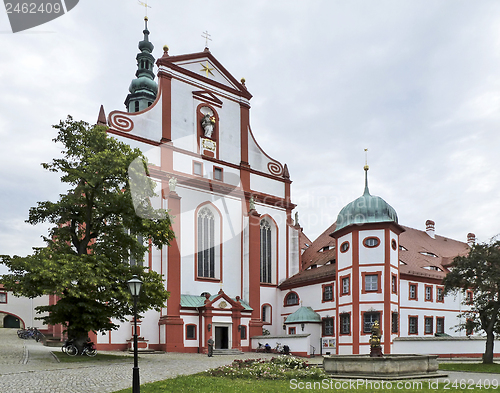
281	367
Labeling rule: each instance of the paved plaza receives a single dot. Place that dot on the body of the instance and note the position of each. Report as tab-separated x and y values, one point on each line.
28	367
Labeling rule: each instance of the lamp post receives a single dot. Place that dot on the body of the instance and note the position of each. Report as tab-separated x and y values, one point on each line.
134	285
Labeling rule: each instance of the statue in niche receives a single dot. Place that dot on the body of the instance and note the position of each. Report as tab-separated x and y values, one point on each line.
208	124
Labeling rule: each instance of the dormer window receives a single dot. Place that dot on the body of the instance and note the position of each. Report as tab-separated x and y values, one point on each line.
428	254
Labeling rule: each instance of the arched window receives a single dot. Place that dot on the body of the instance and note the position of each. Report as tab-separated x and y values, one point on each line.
265	252
206	243
266	315
291	299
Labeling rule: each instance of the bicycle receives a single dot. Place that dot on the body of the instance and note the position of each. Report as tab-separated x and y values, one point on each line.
70	348
31	332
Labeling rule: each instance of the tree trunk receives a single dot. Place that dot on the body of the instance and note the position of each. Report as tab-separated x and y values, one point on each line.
488	354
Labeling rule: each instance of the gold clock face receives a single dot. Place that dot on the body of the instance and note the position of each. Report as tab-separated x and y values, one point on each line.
222	304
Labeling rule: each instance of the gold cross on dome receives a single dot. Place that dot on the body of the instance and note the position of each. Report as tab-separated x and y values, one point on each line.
207	69
207	37
145	5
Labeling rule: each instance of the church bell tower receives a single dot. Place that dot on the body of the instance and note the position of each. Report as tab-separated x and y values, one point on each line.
143	89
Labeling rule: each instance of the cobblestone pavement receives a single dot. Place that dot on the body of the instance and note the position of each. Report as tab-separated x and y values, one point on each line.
28	367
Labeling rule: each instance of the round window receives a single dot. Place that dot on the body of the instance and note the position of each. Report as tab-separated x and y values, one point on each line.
394	245
344	247
371	242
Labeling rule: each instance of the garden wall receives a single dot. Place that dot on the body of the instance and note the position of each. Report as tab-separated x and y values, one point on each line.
299	344
444	347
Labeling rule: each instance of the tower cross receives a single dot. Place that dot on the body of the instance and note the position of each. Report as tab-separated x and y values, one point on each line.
366	159
145	5
207	37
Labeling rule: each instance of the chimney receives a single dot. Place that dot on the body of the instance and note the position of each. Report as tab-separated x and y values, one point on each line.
429	228
471	239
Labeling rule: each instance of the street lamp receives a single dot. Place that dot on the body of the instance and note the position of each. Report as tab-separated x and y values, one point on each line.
134	286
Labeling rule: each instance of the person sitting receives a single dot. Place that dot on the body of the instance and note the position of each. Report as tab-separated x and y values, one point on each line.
267	347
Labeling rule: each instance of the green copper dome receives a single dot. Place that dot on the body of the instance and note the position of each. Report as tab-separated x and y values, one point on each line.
366	209
143	89
303	314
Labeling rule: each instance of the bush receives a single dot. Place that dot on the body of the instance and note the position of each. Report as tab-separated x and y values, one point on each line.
281	367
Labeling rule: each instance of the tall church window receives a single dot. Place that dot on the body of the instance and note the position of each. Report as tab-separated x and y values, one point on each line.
266	313
266	250
206	243
136	106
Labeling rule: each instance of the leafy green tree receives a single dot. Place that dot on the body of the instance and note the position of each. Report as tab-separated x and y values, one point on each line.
95	233
479	272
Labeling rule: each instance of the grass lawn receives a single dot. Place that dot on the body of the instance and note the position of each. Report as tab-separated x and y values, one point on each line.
63	358
208	384
471	367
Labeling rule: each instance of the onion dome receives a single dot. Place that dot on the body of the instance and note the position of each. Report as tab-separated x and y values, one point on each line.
366	209
143	89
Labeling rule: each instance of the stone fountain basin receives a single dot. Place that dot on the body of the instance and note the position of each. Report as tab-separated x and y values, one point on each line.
387	366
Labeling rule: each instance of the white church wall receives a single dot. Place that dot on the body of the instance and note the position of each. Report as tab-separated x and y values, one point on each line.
230	236
147	124
278	222
152	153
183	109
191	320
368	255
230	132
267	185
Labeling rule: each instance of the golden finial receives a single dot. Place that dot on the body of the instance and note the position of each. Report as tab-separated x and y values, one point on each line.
243	80
366	167
165	48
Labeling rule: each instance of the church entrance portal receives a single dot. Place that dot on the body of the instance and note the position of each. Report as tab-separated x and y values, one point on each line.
221	337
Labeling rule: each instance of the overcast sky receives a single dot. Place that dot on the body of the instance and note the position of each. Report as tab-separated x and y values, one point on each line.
415	82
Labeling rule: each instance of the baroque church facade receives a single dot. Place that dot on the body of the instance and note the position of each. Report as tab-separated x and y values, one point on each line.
229	202
240	265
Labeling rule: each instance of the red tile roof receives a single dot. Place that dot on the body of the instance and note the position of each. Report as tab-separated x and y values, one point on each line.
310	276
417	254
315	255
305	242
421	251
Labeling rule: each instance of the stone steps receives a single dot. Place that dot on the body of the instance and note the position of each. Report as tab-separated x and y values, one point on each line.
232	352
